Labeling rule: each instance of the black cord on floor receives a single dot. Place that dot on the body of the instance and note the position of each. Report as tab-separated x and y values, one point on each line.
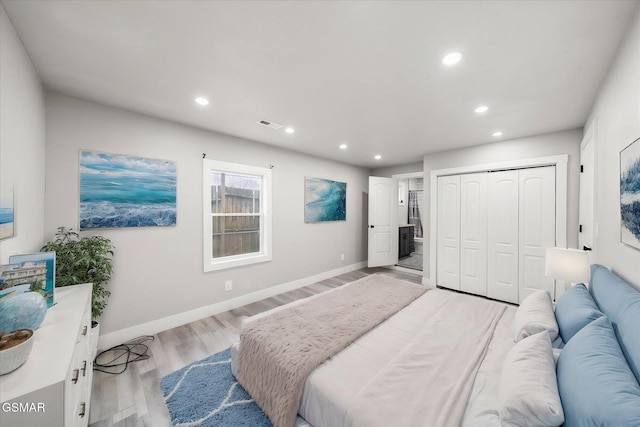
123	354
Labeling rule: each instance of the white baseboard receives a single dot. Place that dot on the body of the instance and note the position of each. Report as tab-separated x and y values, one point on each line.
150	328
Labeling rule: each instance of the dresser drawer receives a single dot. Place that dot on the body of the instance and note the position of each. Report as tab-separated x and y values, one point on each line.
58	373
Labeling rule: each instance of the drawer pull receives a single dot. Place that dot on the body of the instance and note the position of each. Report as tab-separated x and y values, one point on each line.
76	374
84	368
83	409
85	329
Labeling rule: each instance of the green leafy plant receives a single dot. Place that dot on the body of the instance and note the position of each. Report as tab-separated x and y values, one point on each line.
83	260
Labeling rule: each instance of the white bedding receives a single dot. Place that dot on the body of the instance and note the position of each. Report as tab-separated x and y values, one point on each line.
332	388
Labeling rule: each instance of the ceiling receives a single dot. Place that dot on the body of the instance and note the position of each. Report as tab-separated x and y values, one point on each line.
368	74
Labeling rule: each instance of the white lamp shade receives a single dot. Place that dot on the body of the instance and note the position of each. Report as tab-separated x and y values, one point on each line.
571	265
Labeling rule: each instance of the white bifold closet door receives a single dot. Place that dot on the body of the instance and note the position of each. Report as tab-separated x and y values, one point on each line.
537	228
521	225
493	229
473	233
503	225
448	241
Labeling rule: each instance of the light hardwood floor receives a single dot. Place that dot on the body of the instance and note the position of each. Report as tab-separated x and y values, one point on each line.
134	398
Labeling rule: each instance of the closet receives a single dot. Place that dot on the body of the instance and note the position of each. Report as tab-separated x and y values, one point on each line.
493	228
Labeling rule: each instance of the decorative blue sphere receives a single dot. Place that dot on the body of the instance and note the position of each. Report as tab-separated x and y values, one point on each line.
22	311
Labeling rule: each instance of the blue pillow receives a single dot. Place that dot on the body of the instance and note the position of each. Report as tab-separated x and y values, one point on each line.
575	310
621	304
597	387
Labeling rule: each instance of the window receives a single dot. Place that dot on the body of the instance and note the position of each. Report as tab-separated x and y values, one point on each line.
237	214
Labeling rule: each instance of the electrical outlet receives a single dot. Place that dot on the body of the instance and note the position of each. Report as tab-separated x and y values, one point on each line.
228	285
341	257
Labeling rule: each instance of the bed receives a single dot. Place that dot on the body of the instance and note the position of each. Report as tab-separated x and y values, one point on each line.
385	377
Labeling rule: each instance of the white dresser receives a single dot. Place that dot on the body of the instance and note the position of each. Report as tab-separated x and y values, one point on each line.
53	387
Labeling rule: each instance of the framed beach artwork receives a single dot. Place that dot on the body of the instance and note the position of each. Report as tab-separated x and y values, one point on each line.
7	214
36	270
10	281
324	200
630	194
125	191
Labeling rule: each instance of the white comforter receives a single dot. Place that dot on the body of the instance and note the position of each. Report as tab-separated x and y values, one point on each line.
332	388
332	393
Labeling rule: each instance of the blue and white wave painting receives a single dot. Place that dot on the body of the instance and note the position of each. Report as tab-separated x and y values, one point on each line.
630	194
324	200
124	191
7	215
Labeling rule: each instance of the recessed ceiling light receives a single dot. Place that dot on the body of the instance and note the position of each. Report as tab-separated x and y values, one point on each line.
452	58
497	133
202	101
481	109
343	146
377	157
289	130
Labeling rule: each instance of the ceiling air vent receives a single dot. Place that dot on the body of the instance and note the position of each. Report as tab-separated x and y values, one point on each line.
269	124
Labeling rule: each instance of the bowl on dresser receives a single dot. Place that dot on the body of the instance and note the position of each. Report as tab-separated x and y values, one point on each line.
14	349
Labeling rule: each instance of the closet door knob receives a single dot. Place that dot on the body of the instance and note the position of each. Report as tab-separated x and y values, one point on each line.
372	226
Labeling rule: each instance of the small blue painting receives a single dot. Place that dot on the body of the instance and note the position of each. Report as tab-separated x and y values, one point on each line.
630	194
7	216
124	191
324	200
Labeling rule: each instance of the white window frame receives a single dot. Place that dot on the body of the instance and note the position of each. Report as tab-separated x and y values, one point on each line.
265	254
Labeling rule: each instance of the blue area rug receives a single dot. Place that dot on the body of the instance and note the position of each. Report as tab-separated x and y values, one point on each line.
206	394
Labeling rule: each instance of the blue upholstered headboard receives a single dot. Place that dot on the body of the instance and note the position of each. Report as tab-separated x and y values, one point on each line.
621	304
598	370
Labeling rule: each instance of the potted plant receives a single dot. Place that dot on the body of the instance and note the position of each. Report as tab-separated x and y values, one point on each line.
83	260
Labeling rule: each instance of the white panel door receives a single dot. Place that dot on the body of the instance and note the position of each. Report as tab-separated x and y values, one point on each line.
537	228
448	232
473	233
586	237
502	235
383	221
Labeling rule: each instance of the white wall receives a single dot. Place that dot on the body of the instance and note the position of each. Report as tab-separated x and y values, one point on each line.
387	171
616	114
567	142
22	142
158	271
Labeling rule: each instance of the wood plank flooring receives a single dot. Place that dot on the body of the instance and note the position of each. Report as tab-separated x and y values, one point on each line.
134	398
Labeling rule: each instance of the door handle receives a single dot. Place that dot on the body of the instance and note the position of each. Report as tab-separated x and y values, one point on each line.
586	248
372	226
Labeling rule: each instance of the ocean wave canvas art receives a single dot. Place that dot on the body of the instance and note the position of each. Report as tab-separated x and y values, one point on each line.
324	200
630	194
125	191
7	216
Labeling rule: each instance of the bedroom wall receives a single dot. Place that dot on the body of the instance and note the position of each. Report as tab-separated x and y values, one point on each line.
616	114
398	169
566	142
22	142
158	270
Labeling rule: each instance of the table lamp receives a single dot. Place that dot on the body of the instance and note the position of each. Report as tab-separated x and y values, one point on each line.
569	265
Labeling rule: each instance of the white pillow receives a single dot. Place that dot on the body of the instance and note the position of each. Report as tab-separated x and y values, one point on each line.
534	315
528	387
